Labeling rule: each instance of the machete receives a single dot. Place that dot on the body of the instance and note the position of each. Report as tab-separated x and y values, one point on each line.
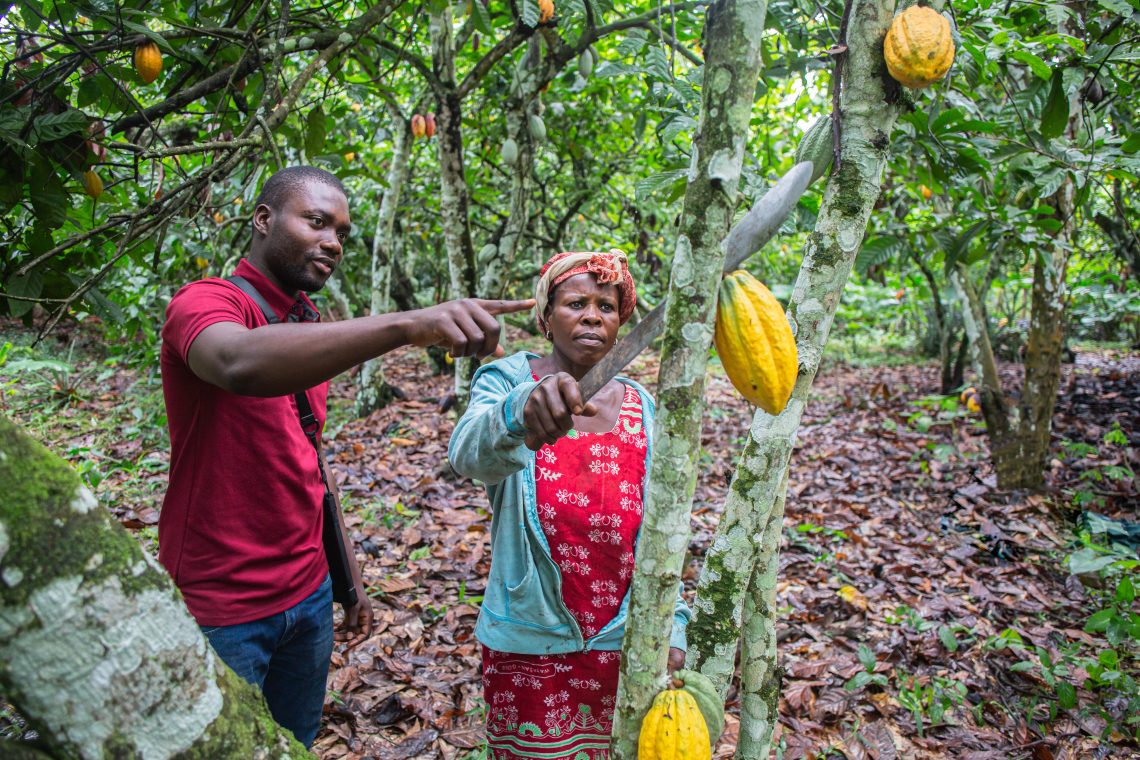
749	235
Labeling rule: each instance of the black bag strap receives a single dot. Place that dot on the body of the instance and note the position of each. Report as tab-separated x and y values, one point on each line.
309	423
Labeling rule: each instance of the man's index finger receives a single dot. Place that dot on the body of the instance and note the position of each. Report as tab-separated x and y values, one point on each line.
506	307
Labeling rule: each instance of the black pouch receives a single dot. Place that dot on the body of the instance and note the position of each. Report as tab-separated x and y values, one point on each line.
344	593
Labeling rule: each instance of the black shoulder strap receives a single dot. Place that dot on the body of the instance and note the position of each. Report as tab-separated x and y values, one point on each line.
255	294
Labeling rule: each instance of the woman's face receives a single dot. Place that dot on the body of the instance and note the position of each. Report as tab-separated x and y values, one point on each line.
582	317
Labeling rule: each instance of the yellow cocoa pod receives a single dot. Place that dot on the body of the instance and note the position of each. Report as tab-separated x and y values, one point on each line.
755	342
92	184
919	47
148	61
545	10
673	729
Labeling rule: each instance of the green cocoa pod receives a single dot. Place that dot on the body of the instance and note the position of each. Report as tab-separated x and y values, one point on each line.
510	151
817	146
537	127
487	253
708	701
594	54
585	64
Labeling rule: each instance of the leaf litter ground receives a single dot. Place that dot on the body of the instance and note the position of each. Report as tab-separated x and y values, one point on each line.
900	561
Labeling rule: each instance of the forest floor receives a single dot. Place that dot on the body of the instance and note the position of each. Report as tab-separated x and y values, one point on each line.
923	613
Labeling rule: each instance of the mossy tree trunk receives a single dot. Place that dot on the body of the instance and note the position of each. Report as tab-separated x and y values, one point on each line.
1019	436
97	649
373	391
733	32
745	551
453	198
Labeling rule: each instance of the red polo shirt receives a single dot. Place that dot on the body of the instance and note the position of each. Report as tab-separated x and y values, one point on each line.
240	528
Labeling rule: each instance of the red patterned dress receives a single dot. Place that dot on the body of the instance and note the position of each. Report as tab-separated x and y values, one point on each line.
588	487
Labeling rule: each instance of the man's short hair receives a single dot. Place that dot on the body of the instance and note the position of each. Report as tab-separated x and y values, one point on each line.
287	181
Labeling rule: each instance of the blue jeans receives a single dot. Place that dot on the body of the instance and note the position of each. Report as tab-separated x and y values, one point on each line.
286	656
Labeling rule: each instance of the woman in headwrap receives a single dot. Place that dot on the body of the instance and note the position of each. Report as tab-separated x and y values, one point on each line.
565	480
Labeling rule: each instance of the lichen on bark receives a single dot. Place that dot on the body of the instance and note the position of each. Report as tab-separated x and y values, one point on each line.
373	391
97	649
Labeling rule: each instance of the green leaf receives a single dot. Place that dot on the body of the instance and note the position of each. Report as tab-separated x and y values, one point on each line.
89	92
49	196
1066	695
948	639
649	186
29	286
529	13
53	126
876	251
1049	182
315	132
1056	114
38	240
155	37
1089	561
481	18
1116	7
1038	66
1125	591
1132	144
946	119
1099	621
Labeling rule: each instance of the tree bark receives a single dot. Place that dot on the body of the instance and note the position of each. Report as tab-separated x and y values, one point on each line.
523	102
759	676
97	649
942	325
454	200
1042	355
733	564
1123	238
373	391
733	32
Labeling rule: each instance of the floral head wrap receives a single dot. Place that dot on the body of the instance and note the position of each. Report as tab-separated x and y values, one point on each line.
610	267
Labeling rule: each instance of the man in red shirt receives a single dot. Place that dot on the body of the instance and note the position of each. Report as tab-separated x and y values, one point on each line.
240	528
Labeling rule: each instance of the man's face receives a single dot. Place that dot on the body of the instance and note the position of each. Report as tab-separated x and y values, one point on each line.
304	238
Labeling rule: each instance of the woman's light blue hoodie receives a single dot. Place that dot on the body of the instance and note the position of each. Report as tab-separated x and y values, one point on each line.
522	610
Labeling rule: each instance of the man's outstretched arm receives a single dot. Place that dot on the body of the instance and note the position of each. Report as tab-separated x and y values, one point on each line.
279	359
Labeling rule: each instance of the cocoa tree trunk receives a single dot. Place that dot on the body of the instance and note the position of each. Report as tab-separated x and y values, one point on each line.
759	676
867	111
733	32
941	323
453	200
1042	354
373	391
97	649
497	256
